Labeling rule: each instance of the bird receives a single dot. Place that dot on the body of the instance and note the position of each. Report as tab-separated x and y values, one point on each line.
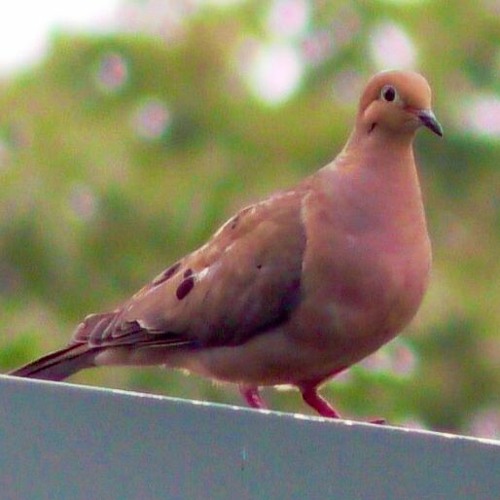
297	287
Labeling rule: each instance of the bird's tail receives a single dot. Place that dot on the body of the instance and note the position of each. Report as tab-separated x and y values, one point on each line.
78	355
60	364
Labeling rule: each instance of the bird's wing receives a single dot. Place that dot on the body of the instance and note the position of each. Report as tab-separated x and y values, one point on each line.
246	279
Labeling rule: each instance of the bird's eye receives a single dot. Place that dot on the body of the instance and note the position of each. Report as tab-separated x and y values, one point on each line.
388	93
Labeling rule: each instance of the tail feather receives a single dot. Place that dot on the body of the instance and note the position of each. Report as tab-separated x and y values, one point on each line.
59	365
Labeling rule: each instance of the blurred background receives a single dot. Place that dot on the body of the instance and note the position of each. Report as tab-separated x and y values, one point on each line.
129	130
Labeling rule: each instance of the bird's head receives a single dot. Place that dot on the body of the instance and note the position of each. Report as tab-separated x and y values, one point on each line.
398	103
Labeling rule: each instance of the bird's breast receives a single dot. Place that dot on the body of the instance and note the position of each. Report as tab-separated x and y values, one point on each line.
366	264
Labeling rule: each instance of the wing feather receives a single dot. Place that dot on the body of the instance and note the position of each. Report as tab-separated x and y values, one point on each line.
246	279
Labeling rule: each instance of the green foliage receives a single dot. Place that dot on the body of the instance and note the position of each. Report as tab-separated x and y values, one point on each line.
91	206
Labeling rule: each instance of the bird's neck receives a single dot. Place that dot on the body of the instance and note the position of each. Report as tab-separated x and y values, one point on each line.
386	147
378	176
383	156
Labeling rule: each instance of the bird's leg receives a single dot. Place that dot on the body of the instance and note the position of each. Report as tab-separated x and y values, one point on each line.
252	397
314	400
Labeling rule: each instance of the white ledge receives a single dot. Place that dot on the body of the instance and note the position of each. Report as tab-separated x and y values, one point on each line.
74	442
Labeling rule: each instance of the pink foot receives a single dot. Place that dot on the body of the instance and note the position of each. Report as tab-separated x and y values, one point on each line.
252	397
314	400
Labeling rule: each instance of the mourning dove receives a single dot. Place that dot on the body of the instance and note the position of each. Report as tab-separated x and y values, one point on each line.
293	289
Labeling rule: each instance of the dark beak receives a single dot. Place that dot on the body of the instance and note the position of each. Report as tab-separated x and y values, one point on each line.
426	116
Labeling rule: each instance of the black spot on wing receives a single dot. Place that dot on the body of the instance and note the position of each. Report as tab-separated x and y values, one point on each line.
185	287
167	274
188	272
